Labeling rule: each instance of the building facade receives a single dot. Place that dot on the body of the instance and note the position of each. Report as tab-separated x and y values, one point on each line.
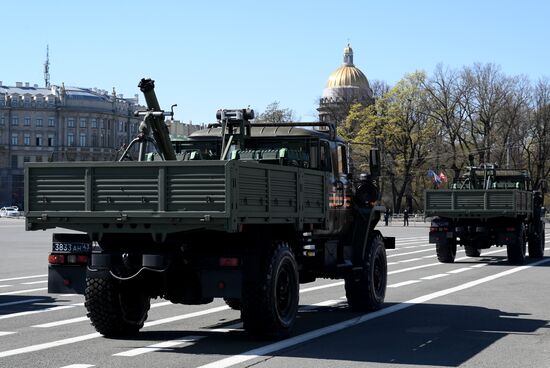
59	124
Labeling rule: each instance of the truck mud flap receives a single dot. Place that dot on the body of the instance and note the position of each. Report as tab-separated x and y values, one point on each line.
64	279
389	242
221	283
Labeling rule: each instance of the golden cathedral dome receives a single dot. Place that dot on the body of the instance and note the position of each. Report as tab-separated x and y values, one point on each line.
347	75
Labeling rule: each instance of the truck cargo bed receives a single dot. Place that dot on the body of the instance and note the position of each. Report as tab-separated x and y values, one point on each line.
171	196
477	203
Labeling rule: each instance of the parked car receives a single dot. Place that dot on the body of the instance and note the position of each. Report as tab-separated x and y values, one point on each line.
11	211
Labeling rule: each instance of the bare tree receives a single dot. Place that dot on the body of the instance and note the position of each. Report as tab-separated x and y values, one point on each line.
484	93
274	113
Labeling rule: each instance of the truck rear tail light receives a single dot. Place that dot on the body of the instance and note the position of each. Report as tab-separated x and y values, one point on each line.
81	259
229	262
56	259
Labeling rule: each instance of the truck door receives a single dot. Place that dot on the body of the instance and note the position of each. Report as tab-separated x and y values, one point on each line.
334	160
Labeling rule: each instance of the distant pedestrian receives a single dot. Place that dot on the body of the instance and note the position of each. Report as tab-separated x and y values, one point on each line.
405	218
387	216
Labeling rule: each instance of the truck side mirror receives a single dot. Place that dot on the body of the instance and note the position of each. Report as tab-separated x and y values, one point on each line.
374	162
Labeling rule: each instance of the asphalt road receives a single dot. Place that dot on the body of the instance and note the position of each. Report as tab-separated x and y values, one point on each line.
477	312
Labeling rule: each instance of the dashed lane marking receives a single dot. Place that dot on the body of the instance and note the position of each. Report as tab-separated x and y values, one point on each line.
5	286
404	283
27	301
34	282
23	291
23	278
79	366
27	313
83	319
433	277
459	270
161	346
4	333
308	336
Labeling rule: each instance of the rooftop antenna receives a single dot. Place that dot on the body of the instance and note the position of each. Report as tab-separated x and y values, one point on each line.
47	67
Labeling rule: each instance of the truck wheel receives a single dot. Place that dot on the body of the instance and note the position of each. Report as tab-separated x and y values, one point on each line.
366	291
516	250
112	311
472	251
446	252
537	244
270	299
233	303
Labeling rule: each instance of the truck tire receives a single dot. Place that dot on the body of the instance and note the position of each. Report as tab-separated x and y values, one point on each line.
233	303
446	252
112	312
516	249
366	291
269	302
472	251
537	244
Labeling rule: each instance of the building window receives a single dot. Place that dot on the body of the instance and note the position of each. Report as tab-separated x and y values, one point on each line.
83	122
70	139
38	140
50	141
26	159
94	140
70	122
94	123
51	122
2	121
82	140
14	162
26	139
14	139
27	122
39	122
15	121
38	158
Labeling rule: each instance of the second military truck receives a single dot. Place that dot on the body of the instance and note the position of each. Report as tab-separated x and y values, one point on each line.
238	211
487	206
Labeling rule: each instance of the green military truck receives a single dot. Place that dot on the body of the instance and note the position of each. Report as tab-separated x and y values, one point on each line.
487	206
238	211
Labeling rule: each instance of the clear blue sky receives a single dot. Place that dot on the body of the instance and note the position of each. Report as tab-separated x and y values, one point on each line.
206	55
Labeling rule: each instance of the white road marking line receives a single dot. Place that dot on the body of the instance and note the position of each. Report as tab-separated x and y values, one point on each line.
433	277
284	344
34	282
230	328
410	260
62	322
23	291
4	286
49	345
79	366
408	253
185	316
83	319
326	303
4	333
404	283
480	265
435	264
459	270
26	313
23	278
320	287
27	301
160	346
